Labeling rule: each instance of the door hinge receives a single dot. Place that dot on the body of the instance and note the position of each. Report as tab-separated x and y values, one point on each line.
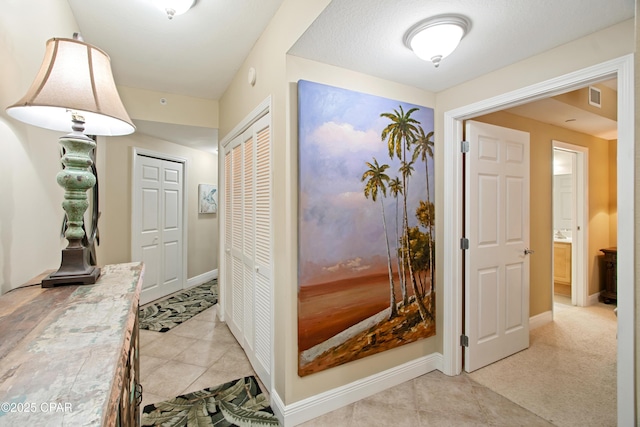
464	243
464	341
464	146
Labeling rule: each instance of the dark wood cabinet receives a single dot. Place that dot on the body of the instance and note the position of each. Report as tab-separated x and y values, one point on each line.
610	291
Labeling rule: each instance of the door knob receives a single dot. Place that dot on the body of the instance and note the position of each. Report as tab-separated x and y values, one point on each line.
528	251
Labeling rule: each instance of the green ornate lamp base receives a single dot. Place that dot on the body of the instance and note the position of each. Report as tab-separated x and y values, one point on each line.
76	179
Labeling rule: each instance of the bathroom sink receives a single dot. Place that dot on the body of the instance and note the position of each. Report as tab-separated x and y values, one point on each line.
559	236
562	239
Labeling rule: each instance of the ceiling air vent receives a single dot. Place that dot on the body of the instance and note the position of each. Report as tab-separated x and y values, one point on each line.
595	97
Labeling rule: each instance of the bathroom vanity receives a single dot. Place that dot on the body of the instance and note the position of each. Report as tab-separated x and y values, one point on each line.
562	268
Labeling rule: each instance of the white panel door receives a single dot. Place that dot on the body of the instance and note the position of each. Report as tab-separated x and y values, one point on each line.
172	227
157	225
148	187
563	201
497	226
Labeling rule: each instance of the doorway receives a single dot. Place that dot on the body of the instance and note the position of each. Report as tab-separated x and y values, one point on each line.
497	261
621	68
570	224
158	222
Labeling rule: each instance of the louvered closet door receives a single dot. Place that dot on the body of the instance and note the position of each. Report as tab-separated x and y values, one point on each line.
248	243
237	239
263	247
228	232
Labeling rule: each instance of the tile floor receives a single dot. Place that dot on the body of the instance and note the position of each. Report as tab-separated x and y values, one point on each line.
202	353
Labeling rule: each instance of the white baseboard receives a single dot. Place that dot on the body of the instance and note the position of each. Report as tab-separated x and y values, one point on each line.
540	319
593	298
202	278
320	404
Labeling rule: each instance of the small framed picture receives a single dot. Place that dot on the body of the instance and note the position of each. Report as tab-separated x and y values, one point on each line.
207	198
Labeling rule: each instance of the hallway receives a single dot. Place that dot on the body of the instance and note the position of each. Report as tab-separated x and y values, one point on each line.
202	352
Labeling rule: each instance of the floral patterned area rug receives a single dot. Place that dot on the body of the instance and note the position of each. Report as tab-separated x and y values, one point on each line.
236	403
168	313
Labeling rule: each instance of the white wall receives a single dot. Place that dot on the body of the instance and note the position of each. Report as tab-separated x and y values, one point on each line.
115	180
240	99
268	57
30	199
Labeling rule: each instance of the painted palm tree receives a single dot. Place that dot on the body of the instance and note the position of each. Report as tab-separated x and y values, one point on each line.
395	187
376	183
424	150
399	134
406	169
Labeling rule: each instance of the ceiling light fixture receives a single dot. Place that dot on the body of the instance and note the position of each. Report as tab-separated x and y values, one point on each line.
435	38
175	7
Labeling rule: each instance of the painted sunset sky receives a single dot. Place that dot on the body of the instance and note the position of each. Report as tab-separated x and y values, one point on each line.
340	231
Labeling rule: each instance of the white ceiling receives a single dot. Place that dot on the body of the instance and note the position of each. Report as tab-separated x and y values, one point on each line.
195	54
198	53
367	35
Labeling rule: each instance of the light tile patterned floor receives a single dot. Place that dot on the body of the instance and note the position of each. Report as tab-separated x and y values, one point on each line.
202	353
197	354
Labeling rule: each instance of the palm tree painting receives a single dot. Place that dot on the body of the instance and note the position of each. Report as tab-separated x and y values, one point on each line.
366	252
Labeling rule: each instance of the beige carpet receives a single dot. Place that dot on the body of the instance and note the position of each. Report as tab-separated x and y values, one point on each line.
568	374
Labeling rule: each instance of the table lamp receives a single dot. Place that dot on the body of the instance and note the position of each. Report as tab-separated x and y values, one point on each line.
74	89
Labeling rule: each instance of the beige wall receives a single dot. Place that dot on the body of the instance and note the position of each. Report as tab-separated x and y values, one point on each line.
30	206
541	190
272	69
268	57
30	210
144	104
580	99
613	193
31	213
611	43
596	48
115	180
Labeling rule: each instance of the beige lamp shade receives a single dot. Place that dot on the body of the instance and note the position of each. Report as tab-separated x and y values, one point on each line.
74	78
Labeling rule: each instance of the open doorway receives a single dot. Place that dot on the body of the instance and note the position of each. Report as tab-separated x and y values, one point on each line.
570	247
564	223
559	218
453	230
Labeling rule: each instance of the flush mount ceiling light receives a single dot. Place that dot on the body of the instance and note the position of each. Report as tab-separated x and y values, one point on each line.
175	7
435	38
